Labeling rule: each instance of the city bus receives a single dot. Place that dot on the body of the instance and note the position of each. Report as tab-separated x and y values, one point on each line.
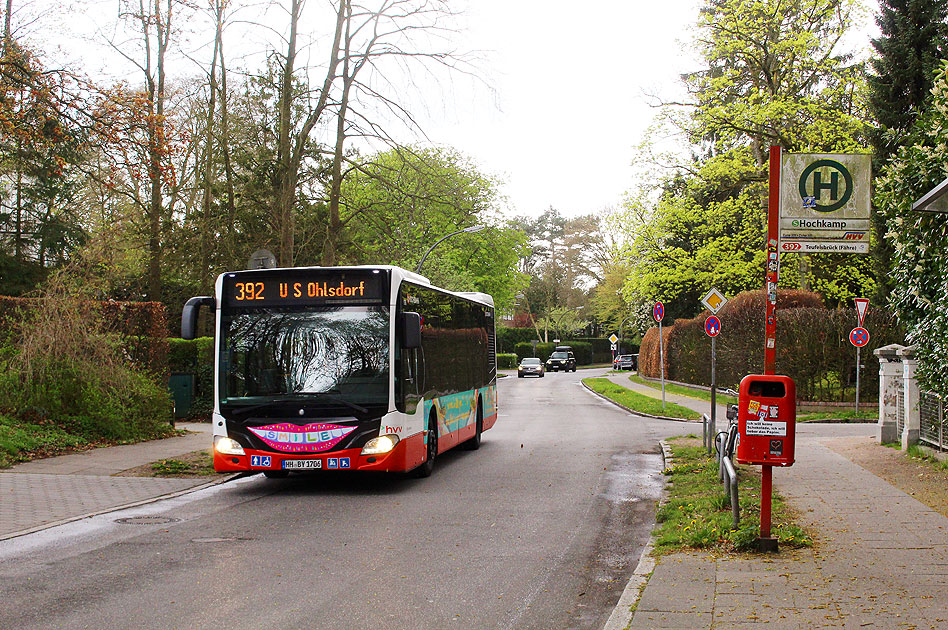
346	368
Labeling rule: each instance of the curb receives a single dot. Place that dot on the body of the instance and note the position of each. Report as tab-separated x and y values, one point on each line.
624	612
72	519
638	413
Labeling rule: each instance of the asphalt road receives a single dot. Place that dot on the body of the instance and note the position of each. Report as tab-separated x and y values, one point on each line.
540	528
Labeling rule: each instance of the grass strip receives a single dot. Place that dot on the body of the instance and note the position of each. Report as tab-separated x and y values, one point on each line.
697	513
700	394
845	415
637	402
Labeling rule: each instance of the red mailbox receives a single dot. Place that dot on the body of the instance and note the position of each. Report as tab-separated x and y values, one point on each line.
767	420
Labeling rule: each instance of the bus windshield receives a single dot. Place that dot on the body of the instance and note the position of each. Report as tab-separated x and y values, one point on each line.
328	356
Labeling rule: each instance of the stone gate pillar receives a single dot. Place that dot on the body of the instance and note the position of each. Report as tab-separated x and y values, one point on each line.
912	400
890	382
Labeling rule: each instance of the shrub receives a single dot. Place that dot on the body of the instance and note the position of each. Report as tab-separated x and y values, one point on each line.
60	364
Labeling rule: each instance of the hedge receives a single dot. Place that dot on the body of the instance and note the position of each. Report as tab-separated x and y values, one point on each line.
581	350
813	346
507	361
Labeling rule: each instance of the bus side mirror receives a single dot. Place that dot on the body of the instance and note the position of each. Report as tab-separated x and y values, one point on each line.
410	330
189	315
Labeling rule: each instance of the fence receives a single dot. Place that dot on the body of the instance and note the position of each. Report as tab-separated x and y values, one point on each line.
906	414
931	426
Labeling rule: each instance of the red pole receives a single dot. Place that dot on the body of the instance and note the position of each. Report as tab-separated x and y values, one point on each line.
766	490
772	276
772	265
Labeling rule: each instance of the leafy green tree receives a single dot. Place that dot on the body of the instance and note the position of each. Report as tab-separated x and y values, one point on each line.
400	202
913	39
705	231
776	76
42	128
920	241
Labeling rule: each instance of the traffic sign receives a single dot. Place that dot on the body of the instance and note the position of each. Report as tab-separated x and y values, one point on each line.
859	337
658	311
712	326
862	305
713	301
613	338
825	203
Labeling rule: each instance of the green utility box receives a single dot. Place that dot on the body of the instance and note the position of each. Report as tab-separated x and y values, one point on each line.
182	392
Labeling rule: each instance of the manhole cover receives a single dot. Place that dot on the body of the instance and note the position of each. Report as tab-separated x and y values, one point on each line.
147	520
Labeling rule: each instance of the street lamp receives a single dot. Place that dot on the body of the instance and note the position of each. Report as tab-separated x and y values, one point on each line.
473	228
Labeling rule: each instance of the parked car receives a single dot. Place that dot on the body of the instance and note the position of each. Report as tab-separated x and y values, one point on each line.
561	359
530	366
625	362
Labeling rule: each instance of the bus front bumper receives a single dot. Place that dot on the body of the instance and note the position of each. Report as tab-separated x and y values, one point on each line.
408	454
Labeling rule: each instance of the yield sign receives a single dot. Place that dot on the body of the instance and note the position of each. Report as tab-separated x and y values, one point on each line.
859	337
862	305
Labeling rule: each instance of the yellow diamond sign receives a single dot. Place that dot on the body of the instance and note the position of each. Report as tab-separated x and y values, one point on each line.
713	301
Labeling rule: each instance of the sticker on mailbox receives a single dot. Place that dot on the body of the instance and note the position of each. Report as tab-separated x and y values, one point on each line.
753	406
776	447
774	410
766	427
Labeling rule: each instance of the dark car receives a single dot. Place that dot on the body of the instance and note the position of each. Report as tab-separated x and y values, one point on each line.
625	362
530	366
561	359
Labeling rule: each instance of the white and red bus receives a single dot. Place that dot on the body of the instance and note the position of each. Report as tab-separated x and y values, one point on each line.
334	368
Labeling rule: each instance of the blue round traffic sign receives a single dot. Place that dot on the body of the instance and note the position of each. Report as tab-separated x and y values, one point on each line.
658	311
712	326
859	337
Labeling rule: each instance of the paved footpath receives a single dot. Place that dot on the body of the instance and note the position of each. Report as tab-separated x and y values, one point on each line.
47	492
880	561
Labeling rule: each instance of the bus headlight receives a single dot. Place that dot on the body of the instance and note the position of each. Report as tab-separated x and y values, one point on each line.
380	445
226	446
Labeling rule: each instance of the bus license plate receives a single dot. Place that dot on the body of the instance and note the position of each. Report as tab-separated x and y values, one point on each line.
302	464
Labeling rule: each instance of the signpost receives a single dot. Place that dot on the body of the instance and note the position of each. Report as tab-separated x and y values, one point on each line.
613	340
658	312
859	337
712	326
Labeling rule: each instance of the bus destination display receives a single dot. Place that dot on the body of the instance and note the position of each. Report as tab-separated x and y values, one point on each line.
295	287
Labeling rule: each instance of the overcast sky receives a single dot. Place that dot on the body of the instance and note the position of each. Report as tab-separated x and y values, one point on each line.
574	85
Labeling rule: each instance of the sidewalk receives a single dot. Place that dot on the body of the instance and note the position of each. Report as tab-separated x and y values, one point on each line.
880	561
47	492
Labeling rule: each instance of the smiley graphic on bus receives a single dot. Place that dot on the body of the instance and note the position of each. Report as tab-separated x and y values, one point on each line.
291	438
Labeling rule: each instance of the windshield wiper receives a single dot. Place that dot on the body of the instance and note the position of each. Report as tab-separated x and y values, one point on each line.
245	410
295	402
344	402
